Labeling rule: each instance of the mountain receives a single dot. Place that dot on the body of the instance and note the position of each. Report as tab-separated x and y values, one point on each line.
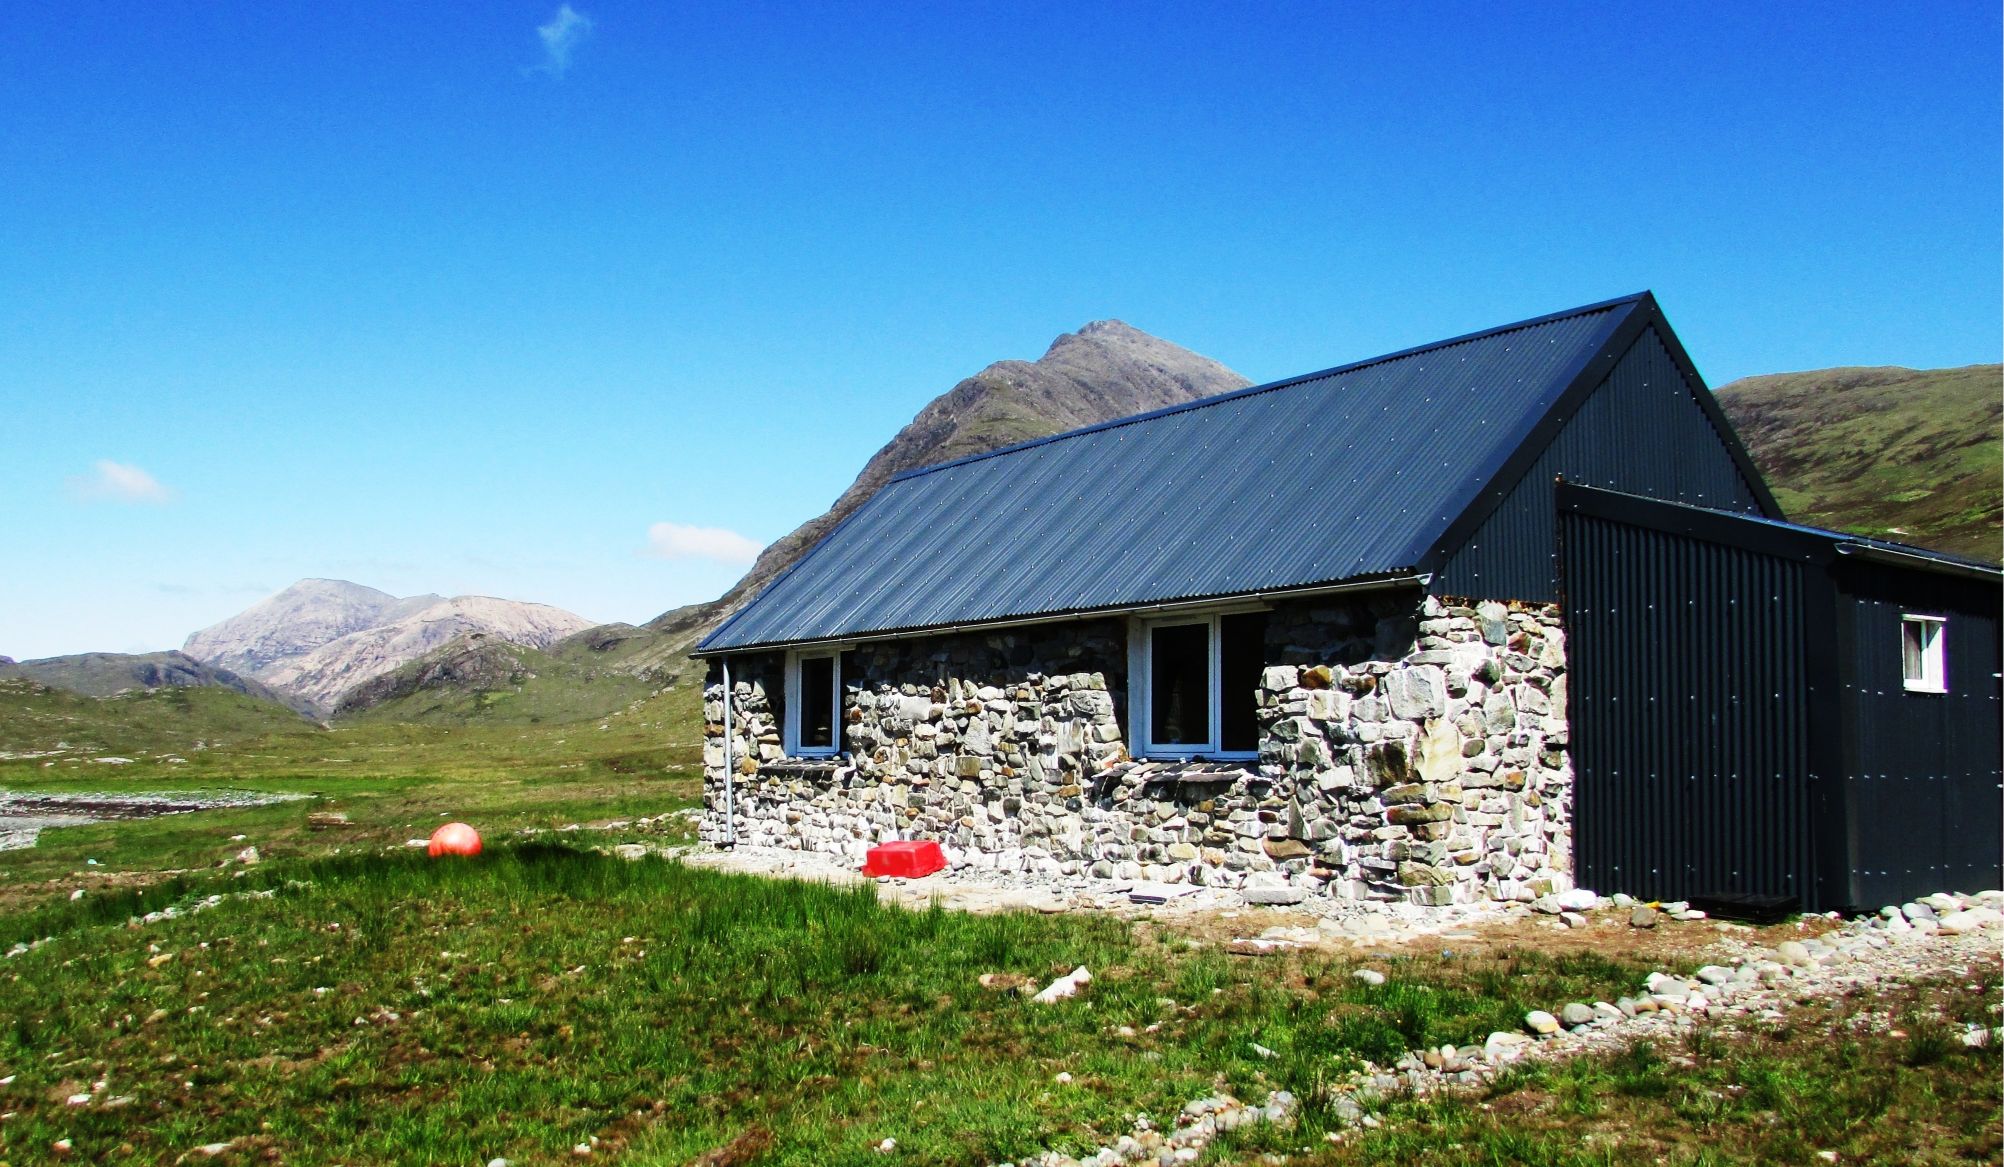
1906	454
1105	370
318	638
104	674
296	621
478	677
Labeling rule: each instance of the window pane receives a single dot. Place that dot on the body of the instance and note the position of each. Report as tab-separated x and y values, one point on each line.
1179	696
1910	649
1242	655
817	702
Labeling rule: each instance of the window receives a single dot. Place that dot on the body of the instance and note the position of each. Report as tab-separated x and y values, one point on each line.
813	704
1923	653
1196	685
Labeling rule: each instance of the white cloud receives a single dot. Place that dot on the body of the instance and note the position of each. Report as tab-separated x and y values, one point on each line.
119	482
677	541
561	37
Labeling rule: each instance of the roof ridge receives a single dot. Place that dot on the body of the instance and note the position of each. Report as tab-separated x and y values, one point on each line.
1270	386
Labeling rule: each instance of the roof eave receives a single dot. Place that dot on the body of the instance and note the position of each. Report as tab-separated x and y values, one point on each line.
1387	581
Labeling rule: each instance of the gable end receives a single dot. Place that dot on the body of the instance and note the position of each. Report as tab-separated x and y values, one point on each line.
1648	428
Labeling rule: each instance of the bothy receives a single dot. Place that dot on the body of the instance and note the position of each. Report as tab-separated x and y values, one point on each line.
1310	633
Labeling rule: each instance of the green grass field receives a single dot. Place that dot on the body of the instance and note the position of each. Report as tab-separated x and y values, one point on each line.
349	1000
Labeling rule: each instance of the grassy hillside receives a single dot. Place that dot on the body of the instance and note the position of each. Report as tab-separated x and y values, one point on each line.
1905	454
102	674
485	681
38	719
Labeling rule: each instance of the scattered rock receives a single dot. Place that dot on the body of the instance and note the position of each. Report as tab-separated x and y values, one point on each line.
1970	920
1274	896
1064	986
1573	1016
1540	1022
1644	916
1369	976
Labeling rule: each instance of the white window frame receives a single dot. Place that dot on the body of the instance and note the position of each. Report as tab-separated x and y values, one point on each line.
1141	682
790	733
1933	652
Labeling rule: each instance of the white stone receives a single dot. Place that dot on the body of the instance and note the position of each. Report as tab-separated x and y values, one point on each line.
1970	920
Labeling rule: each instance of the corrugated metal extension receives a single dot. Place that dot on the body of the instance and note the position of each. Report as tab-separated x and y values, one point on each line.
1687	693
1638	432
1923	769
1350	473
1739	718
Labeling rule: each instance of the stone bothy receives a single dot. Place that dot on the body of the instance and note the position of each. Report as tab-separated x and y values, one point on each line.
1309	633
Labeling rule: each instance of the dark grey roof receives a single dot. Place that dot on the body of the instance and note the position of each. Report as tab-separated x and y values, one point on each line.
1355	472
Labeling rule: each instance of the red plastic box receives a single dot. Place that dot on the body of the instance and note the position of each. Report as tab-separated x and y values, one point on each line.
908	860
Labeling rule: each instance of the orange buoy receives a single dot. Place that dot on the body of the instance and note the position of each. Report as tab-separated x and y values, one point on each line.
455	839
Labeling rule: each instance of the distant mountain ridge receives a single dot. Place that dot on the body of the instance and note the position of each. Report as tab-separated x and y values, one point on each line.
1105	370
1912	455
319	638
107	674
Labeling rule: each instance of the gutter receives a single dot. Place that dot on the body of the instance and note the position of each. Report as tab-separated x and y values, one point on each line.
1420	579
1911	559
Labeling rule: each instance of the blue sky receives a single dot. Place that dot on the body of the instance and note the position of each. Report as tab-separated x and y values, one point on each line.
467	298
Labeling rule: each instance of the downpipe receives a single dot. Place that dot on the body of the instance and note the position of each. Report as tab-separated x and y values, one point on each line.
730	766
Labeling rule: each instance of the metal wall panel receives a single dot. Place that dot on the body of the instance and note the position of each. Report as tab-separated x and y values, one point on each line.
1356	472
1642	432
1924	768
1688	701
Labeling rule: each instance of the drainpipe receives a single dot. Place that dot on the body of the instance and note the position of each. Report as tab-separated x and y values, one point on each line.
730	803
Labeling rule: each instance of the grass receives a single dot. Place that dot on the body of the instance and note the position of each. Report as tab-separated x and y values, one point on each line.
544	996
393	782
1904	454
348	1000
1879	1078
141	724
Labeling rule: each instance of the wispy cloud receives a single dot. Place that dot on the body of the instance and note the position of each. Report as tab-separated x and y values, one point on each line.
119	482
561	37
677	541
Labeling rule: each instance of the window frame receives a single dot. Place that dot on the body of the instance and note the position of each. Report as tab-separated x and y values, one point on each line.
796	705
1141	683
1933	653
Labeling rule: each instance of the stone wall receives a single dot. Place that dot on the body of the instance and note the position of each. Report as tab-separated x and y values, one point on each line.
1410	749
1438	774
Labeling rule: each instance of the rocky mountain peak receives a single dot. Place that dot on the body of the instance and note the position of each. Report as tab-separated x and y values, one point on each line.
320	637
1105	370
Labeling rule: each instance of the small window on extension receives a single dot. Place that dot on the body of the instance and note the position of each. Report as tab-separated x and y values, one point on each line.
1923	653
1241	658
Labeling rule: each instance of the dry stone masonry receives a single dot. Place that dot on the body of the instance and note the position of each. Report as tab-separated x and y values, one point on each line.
1411	748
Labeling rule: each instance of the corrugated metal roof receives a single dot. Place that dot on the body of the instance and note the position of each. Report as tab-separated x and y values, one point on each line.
1349	473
